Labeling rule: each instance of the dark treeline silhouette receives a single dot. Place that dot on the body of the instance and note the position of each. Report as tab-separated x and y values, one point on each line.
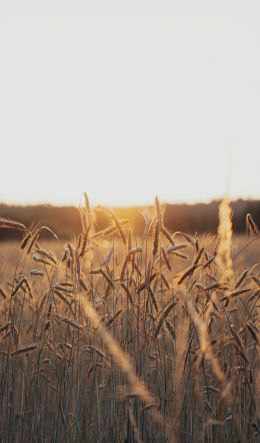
65	221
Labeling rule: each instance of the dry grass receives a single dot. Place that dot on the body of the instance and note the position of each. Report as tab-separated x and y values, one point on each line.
112	338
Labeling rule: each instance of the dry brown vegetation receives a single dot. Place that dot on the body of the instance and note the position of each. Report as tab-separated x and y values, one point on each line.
117	338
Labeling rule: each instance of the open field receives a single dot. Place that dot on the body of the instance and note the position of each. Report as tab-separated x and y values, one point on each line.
117	338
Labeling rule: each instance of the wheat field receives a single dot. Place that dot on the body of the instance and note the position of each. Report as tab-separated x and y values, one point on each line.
117	338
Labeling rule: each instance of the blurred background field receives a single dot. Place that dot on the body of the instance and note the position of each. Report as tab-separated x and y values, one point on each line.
65	221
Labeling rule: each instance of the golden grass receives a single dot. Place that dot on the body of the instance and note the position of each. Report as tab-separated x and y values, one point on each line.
112	338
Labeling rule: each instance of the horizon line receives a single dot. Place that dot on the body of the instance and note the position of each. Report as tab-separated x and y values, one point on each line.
128	206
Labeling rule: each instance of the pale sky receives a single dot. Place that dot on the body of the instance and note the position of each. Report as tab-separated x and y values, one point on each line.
129	99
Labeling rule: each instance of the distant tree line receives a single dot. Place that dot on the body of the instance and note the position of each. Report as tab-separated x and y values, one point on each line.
65	221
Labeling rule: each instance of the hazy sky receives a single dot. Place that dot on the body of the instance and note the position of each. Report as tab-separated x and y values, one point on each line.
129	99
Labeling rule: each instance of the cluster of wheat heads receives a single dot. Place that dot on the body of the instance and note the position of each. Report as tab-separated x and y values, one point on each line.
117	338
